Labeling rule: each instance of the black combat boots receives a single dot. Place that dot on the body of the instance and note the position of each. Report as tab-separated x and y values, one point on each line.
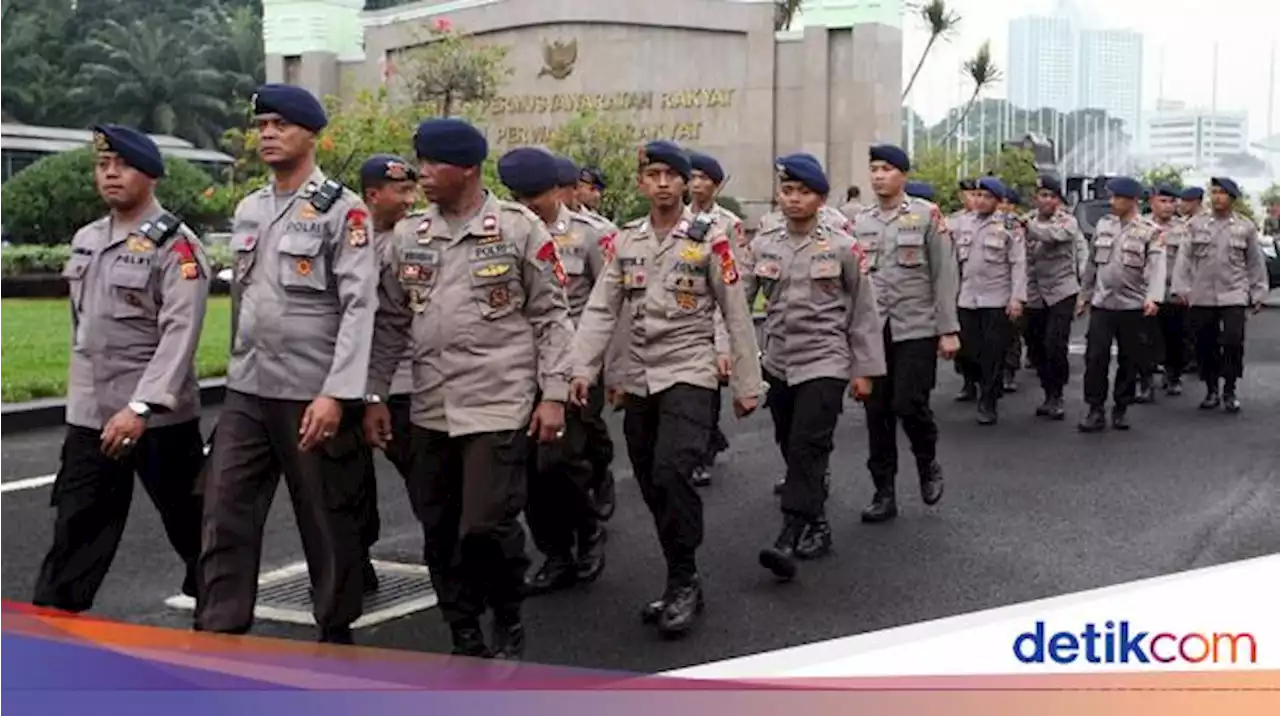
1230	400
930	482
559	571
781	557
508	635
1095	421
816	541
468	640
591	553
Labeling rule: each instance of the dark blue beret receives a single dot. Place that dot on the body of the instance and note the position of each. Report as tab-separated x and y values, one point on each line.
669	153
920	190
993	185
566	171
708	165
1012	196
1126	187
450	141
1165	189
968	185
135	148
1193	193
1050	184
386	167
594	177
1226	184
529	171
293	103
892	155
806	169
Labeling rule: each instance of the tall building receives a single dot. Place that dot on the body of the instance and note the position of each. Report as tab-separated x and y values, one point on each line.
847	13
1110	75
1195	138
1041	62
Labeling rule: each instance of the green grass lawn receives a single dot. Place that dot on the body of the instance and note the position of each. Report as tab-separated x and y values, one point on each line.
35	338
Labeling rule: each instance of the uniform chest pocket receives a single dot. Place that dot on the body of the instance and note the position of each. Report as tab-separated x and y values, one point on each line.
242	247
574	264
1201	245
1238	248
824	279
1102	248
964	245
995	249
418	267
76	267
910	249
302	263
129	295
634	276
686	292
496	289
1133	254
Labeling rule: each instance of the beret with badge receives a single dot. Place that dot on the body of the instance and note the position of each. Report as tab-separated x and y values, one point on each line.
295	104
993	186
381	168
806	169
669	153
135	148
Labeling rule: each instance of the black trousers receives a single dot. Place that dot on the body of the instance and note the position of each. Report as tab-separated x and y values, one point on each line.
667	435
1013	349
1173	333
1152	347
561	475
1048	341
1125	329
92	494
902	395
398	452
1219	336
599	447
985	334
804	421
468	492
257	441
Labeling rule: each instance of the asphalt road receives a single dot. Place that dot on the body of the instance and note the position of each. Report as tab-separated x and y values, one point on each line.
1033	509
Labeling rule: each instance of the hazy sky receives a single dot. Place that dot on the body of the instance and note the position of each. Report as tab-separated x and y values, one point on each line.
1183	31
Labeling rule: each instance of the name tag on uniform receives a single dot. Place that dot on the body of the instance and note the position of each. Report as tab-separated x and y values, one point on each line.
430	257
492	251
770	268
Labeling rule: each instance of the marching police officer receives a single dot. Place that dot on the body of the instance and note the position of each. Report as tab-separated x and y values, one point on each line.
303	300
1055	248
389	186
670	274
993	289
139	282
1011	205
1123	281
478	290
1191	202
560	512
1167	331
704	186
591	186
913	268
1219	273
822	336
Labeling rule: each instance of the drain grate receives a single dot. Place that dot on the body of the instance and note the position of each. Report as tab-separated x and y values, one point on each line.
284	595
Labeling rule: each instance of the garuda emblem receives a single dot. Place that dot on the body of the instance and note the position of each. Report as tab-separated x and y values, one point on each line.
558	58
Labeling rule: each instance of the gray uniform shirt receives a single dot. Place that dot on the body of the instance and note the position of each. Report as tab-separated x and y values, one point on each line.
1126	264
402	381
913	266
1055	254
992	253
1221	263
137	310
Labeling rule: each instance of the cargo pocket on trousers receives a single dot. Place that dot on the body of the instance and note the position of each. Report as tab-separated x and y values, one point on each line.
344	462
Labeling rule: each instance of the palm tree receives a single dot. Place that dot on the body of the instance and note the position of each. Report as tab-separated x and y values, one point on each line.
784	11
146	75
942	23
984	73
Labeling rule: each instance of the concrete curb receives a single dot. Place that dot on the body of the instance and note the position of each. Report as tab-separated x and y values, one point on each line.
52	412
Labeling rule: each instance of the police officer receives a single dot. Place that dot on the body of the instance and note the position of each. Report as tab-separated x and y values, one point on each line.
1123	281
1011	206
704	186
993	290
966	188
139	282
852	202
1191	202
913	268
389	186
1166	331
1055	248
830	217
671	273
304	294
560	511
590	190
822	337
1219	273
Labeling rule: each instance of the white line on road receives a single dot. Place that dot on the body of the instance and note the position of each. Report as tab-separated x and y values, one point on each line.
30	483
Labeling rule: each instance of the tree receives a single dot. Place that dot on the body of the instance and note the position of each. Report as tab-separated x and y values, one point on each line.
1164	174
451	73
784	13
984	73
47	202
146	75
595	140
1271	196
941	170
942	23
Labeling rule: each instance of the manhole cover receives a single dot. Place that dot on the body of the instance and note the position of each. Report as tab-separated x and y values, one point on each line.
284	595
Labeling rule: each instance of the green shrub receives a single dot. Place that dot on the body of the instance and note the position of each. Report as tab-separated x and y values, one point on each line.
20	260
47	202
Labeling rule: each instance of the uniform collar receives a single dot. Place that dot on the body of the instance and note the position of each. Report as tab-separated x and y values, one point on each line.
562	223
686	218
153	211
486	222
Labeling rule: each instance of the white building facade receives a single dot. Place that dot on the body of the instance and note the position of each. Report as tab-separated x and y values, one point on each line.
1195	138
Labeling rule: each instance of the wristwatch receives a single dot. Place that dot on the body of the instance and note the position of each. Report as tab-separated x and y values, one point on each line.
141	409
373	399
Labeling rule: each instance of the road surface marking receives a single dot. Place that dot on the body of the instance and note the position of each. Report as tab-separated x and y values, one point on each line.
29	483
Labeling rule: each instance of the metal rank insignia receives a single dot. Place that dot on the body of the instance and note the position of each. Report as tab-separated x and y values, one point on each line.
493	270
489	224
304	267
139	244
396	171
686	301
307	212
100	142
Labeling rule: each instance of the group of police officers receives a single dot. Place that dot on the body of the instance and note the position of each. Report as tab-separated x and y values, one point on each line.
477	344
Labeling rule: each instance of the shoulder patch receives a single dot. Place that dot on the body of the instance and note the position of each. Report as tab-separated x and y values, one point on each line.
548	254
